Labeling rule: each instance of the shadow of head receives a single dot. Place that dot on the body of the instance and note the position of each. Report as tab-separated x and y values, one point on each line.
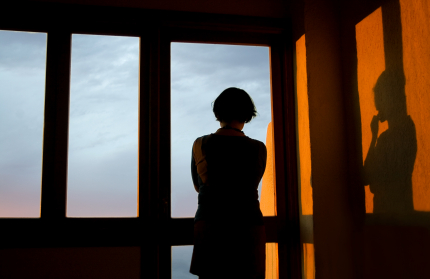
390	97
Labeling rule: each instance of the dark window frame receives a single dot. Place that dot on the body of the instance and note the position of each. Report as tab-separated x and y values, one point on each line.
156	30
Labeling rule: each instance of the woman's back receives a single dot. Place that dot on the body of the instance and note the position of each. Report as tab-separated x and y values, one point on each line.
226	168
234	167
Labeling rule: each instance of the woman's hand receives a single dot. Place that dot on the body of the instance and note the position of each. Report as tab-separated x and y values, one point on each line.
374	127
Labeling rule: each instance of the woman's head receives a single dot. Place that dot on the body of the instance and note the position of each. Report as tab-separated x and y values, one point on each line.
389	94
234	104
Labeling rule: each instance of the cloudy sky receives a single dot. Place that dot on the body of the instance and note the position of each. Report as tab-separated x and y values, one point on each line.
199	74
22	86
102	169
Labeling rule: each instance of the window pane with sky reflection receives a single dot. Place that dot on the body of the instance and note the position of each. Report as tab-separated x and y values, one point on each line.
22	95
199	73
103	128
181	260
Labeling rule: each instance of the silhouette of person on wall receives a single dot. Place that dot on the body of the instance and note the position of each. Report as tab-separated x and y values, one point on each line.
390	160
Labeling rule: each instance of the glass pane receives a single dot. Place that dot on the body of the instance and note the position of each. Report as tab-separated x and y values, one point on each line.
103	131
22	96
181	260
199	73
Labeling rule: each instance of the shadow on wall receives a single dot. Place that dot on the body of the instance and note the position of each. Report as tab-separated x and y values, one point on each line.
396	231
390	160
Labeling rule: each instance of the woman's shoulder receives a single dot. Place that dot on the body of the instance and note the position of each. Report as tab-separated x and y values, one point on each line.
202	138
258	146
257	142
198	142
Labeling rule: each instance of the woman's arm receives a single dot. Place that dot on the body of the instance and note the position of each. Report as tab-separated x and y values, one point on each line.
194	174
262	159
369	162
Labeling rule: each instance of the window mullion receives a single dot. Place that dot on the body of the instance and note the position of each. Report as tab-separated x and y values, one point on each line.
286	169
164	178
55	137
144	192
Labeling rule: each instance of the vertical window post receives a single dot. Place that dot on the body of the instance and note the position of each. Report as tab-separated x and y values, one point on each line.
57	88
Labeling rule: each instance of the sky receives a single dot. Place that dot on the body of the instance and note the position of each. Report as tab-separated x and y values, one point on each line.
22	86
103	126
199	73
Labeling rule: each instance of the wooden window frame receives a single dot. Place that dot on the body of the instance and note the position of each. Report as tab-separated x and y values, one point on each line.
156	29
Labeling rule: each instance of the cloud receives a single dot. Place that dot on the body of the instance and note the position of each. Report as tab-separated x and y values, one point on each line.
22	50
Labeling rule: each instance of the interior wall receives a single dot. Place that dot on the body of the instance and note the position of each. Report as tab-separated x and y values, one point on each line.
331	212
385	83
367	62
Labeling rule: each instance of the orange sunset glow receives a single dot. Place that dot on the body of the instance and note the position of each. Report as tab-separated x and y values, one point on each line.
372	62
304	162
268	204
268	191
415	17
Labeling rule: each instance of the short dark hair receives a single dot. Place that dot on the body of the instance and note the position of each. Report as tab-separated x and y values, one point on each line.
234	104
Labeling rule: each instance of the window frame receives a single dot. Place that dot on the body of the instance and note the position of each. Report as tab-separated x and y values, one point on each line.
274	224
156	30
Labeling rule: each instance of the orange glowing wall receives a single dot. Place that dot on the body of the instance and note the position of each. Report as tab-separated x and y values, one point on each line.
304	147
393	56
268	204
272	262
415	17
370	65
268	191
415	25
304	162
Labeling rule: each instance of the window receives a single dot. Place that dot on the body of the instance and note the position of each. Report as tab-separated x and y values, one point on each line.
103	128
22	95
199	73
153	229
175	86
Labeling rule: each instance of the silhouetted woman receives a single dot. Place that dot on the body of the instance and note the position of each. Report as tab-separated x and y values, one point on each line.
226	167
